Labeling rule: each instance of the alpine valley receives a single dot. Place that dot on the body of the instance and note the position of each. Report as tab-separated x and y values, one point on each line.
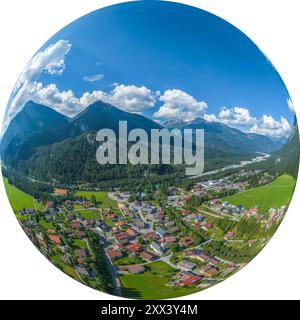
43	144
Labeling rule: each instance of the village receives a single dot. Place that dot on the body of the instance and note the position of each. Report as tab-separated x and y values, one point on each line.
128	234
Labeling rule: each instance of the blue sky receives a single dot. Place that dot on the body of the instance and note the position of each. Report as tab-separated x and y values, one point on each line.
164	60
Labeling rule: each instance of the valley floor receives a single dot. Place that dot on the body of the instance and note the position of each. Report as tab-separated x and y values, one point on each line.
156	247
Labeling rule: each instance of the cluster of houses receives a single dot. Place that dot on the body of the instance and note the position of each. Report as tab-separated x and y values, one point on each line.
58	240
140	231
149	243
192	273
224	207
275	215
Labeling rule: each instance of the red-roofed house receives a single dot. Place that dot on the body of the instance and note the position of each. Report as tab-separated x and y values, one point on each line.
168	240
131	232
61	192
190	281
186	241
55	239
134	247
114	254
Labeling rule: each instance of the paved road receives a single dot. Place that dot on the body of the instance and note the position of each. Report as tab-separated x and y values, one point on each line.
166	259
217	215
111	267
211	214
114	273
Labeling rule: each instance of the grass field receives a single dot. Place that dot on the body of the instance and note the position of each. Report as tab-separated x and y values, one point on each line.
46	225
81	244
127	261
152	284
20	200
101	197
273	195
90	214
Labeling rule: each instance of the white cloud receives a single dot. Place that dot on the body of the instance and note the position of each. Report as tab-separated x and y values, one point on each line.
211	118
242	118
236	116
268	126
50	61
179	104
96	77
290	105
131	98
128	98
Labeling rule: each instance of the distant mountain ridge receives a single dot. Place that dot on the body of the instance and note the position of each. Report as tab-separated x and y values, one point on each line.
37	125
288	156
42	142
227	138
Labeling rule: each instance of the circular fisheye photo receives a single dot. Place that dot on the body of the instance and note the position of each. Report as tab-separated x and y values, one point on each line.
149	150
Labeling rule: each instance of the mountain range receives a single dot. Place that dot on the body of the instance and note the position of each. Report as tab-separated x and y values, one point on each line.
226	139
39	140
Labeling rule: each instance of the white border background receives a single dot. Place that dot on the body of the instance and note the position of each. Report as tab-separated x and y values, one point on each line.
25	25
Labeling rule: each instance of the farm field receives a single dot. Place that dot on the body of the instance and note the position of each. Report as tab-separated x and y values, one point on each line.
152	284
274	195
101	197
19	199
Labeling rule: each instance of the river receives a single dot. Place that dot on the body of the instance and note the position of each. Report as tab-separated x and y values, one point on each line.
260	158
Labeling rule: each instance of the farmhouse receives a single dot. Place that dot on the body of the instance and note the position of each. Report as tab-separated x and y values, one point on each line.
208	270
190	281
131	232
183	275
193	254
168	240
55	239
186	265
133	269
186	241
148	256
61	192
149	235
173	229
89	205
134	247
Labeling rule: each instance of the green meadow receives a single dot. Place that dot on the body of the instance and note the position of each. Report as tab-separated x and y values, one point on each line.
19	199
90	214
273	195
153	283
101	197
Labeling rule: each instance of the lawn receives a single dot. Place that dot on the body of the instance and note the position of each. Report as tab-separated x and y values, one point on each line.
101	197
273	195
90	214
46	225
19	199
81	244
127	261
152	284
